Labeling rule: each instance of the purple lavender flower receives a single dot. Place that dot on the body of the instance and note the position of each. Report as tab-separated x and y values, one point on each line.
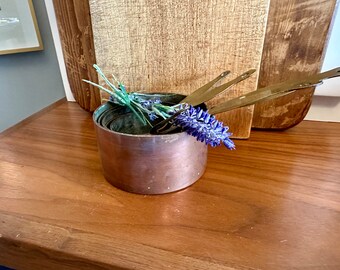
204	127
152	116
145	103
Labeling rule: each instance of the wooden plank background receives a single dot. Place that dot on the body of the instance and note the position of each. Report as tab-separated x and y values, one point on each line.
294	44
295	39
74	25
177	46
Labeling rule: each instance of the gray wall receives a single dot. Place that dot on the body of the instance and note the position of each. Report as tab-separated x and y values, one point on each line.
29	81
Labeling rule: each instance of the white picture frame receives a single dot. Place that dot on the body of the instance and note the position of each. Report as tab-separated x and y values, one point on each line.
19	30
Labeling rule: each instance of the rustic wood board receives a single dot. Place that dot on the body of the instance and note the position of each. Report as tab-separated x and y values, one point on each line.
75	29
295	39
177	46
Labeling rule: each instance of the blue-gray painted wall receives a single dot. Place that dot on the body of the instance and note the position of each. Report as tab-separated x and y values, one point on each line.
29	81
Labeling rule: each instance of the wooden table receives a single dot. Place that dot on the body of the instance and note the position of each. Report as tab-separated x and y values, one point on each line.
274	203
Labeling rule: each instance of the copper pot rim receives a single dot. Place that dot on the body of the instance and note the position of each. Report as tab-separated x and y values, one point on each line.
133	135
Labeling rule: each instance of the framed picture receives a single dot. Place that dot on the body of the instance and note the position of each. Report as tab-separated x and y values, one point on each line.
18	27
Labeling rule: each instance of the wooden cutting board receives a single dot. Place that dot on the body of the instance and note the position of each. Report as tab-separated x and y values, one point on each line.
74	25
295	40
177	46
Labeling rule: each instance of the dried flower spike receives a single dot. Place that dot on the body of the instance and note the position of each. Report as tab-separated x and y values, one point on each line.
204	127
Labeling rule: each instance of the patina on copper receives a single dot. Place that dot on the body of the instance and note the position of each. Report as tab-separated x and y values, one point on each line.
148	164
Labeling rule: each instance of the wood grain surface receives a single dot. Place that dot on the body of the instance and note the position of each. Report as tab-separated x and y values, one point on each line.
178	46
32	117
274	203
295	39
75	29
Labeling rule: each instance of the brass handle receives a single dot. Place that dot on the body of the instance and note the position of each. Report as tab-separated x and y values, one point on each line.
204	93
274	91
197	93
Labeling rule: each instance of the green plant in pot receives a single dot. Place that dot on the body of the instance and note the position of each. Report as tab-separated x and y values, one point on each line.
149	109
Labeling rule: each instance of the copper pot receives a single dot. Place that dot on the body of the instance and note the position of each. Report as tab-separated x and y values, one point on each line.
144	163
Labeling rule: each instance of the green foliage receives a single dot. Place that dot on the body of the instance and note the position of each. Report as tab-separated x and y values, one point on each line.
119	95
